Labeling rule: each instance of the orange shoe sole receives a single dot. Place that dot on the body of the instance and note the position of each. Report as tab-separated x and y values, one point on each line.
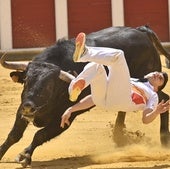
80	44
77	89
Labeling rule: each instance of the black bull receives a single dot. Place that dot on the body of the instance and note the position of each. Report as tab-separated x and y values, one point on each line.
45	96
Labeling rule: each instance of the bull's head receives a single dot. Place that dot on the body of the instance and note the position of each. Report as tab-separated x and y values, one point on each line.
45	89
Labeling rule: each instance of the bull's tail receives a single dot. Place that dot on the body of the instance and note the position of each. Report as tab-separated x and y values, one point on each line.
155	40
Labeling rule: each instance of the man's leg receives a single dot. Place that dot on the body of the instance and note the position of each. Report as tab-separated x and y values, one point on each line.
93	74
102	55
118	91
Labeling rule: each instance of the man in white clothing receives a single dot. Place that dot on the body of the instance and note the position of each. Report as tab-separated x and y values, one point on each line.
115	90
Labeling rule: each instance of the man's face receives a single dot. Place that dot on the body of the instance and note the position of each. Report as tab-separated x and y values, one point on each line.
156	79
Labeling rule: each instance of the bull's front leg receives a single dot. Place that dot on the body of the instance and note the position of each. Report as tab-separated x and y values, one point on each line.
41	136
15	134
164	122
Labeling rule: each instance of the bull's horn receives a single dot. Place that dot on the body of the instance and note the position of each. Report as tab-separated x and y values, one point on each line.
65	76
12	65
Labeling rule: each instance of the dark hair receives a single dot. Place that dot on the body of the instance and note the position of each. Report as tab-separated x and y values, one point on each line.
165	75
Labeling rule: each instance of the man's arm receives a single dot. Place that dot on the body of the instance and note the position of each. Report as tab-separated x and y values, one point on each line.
85	103
149	115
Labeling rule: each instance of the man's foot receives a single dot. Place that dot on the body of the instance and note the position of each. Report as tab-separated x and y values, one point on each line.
76	89
80	46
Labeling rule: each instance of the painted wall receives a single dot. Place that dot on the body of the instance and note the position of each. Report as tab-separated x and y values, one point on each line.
62	19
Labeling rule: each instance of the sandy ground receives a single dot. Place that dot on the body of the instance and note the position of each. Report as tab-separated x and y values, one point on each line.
88	144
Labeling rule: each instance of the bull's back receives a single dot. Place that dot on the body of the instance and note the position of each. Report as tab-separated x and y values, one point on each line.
140	53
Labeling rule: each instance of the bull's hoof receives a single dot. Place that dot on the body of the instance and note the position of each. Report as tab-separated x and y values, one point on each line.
118	136
165	139
23	159
122	137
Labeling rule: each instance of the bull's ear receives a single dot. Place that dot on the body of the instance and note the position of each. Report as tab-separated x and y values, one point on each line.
18	76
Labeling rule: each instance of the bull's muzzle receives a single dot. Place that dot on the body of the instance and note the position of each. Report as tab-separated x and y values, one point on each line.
28	111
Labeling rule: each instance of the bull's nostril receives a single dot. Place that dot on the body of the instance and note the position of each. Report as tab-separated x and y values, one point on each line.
28	104
32	109
28	107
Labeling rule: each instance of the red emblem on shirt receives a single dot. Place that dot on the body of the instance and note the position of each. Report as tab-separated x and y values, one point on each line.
138	95
138	99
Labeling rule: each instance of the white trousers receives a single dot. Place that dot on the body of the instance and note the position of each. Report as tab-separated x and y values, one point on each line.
112	91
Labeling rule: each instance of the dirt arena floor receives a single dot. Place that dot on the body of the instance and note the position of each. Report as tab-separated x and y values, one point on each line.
88	144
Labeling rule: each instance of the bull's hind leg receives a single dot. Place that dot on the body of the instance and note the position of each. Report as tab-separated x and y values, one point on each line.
120	120
15	134
164	125
164	122
118	136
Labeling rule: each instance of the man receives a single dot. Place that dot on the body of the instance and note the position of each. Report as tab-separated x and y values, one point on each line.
115	90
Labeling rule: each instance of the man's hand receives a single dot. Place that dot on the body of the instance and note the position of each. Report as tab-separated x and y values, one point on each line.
163	106
149	115
65	118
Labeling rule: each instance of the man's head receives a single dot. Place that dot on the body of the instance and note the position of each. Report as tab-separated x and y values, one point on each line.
158	80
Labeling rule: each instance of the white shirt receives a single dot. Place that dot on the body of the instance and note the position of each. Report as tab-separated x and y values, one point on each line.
151	95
